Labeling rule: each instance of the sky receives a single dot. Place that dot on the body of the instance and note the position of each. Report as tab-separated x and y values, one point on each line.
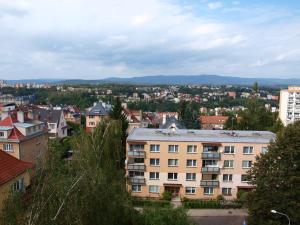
94	39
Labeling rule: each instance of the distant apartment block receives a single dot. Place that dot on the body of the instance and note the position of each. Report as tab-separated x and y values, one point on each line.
289	105
96	114
213	122
198	164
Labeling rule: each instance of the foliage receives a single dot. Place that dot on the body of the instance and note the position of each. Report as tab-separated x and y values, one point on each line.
220	198
242	197
189	115
201	204
164	216
150	203
276	175
166	195
255	117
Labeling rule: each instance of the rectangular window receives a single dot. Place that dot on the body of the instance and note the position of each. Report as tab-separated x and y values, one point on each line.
208	190
8	147
154	161
153	189
190	176
90	123
248	150
228	163
264	150
136	188
172	162
246	164
91	117
1	134
172	176
190	190
18	185
154	148
191	149
229	150
227	177
191	162
244	178
173	148
226	191
153	175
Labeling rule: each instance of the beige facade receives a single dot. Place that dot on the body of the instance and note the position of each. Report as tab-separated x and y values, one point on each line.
205	166
7	187
28	150
92	121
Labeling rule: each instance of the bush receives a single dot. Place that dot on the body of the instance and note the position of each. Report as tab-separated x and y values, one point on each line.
201	204
167	196
242	197
220	198
150	203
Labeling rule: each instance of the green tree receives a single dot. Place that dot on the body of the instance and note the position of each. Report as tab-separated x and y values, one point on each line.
276	175
188	115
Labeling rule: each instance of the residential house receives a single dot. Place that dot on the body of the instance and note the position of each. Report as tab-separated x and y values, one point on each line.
213	122
99	112
14	176
23	138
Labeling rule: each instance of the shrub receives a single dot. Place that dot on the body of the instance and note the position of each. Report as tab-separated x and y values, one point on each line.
150	203
166	195
202	204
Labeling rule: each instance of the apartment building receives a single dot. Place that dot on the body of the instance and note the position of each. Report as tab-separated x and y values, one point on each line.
289	105
198	164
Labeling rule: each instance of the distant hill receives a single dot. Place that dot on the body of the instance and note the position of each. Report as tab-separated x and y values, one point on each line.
189	79
173	79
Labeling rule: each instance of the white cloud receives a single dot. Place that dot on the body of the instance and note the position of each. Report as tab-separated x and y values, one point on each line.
215	5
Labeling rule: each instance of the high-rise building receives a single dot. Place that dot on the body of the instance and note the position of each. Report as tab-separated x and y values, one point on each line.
199	164
289	105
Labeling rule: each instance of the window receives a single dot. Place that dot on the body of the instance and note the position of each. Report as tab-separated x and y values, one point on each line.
153	189
136	174
173	148
208	190
90	123
91	117
8	147
227	177
248	150
1	134
244	178
18	185
192	149
190	190
153	175
226	191
190	176
154	161
136	188
264	150
172	176
172	162
53	125
208	148
228	163
154	148
229	150
191	162
246	163
136	147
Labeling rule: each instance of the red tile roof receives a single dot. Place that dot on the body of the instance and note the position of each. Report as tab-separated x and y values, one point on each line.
213	119
11	167
15	133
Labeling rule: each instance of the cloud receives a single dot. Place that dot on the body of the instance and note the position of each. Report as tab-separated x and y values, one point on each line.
215	5
98	38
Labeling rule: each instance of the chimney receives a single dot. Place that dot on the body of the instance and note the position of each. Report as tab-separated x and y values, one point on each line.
164	118
20	116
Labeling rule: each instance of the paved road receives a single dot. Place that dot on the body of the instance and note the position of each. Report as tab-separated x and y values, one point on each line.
218	220
217	212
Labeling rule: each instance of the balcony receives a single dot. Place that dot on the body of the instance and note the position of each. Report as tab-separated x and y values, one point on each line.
136	154
211	155
137	180
210	170
136	167
209	183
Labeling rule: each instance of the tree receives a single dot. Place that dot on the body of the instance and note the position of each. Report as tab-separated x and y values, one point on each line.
276	176
188	115
117	114
255	117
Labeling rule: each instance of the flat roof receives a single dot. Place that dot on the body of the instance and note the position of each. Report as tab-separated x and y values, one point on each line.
6	127
186	135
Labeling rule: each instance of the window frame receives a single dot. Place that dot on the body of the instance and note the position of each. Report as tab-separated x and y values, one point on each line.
210	192
136	185
193	176
230	150
154	192
248	148
156	177
175	148
156	148
155	160
173	176
194	149
192	190
193	165
228	167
